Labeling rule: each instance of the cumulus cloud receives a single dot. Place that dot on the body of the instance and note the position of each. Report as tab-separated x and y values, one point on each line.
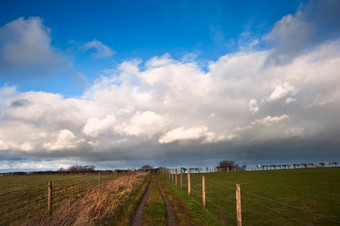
151	110
65	140
187	134
101	50
253	107
143	123
26	50
313	24
95	126
280	90
238	107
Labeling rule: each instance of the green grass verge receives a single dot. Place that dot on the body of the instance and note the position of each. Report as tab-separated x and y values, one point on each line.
312	190
155	208
188	210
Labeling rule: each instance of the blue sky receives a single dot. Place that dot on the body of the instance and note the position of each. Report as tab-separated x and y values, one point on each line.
149	28
127	83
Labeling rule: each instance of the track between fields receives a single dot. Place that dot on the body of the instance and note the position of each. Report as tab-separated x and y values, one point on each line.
170	213
137	219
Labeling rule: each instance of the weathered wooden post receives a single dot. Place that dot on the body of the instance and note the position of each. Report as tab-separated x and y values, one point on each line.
203	191
49	200
176	177
181	179
169	173
172	175
100	180
227	169
189	182
238	205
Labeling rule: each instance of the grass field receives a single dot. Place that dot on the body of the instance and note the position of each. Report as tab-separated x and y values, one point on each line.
23	197
282	197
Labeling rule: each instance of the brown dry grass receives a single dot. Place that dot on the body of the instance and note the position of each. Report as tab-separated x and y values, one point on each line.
98	206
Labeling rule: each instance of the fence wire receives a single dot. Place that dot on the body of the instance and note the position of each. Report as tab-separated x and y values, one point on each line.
196	193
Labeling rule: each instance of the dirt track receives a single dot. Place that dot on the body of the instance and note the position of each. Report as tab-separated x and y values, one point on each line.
137	219
170	213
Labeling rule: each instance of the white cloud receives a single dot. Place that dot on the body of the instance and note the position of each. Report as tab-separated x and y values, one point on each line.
26	50
313	24
102	50
290	100
134	109
95	126
253	107
145	123
65	140
281	89
183	134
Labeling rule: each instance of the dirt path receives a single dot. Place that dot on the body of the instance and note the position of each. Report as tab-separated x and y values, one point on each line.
137	219
170	213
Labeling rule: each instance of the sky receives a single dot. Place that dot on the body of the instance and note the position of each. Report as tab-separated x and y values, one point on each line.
121	84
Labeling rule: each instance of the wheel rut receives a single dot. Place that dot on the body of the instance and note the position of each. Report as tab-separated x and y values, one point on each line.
170	213
137	219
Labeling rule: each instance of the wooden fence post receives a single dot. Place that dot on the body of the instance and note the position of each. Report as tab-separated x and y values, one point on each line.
203	191
181	179
176	177
100	180
169	173
238	205
189	182
49	197
172	175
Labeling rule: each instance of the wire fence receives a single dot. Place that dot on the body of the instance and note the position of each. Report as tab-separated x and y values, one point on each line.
23	197
257	208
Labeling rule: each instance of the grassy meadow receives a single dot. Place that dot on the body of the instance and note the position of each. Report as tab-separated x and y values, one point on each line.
23	197
281	197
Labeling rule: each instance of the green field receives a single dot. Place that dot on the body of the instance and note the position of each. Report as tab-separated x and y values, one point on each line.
281	197
23	197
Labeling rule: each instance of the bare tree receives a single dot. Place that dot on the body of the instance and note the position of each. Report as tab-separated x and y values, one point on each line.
322	164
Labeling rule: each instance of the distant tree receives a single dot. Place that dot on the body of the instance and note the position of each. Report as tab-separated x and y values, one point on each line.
183	169
146	168
322	164
335	163
79	168
224	165
227	164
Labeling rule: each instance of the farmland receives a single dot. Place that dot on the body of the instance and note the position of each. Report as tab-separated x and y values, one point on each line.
23	197
281	197
273	197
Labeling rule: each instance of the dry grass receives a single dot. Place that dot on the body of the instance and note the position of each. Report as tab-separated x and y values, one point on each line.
24	197
98	206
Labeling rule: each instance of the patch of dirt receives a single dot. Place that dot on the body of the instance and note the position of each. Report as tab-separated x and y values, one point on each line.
170	213
137	219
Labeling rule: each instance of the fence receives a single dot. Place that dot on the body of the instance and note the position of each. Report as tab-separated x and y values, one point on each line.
23	197
223	200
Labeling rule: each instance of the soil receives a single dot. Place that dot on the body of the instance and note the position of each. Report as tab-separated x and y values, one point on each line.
137	219
170	213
